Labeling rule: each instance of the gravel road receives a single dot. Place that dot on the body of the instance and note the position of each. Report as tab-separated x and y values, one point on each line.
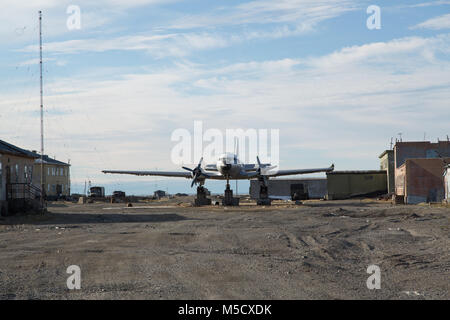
169	250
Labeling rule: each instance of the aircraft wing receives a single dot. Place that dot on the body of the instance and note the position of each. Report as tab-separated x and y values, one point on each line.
253	167
179	174
211	167
297	171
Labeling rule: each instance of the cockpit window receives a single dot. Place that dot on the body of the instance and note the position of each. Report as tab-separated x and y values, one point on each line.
229	159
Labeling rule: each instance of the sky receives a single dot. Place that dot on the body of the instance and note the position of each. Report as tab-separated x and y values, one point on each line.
117	87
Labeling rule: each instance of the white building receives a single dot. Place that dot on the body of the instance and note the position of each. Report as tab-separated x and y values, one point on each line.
447	183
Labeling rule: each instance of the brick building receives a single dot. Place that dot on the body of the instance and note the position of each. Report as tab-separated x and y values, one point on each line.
419	168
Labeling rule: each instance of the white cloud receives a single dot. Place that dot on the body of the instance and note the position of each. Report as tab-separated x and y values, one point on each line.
320	104
19	19
394	49
303	13
429	4
34	61
174	44
300	16
436	23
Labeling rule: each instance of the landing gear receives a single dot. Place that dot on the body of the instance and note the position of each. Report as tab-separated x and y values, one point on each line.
228	199
201	199
263	199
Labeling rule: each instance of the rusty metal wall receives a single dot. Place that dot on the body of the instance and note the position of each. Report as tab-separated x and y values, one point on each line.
420	150
424	180
415	150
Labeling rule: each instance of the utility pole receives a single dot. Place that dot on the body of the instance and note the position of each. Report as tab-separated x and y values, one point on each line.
42	113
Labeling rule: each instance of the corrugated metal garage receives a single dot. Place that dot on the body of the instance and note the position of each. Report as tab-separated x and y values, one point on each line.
314	188
347	184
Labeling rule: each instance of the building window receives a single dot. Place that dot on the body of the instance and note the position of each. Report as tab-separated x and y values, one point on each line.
27	173
48	188
1	176
48	171
53	171
17	173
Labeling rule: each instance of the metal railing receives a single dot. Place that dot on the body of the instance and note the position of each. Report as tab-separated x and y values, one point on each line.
22	191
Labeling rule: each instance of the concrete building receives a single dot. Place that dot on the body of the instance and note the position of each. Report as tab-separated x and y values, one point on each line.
313	188
420	150
16	172
447	183
404	174
421	180
158	194
56	177
348	184
387	163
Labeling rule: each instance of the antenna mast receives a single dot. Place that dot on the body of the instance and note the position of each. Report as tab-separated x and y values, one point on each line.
42	112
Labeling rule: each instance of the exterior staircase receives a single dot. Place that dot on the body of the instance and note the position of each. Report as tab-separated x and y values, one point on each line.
23	198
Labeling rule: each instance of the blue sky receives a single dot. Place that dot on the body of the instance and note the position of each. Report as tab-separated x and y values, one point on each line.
137	70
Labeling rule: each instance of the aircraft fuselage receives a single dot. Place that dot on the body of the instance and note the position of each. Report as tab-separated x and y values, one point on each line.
230	166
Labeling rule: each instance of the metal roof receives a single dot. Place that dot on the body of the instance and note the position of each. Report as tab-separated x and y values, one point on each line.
357	172
48	160
6	147
385	152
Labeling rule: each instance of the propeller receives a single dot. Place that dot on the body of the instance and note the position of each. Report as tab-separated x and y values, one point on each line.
259	165
262	166
263	177
196	172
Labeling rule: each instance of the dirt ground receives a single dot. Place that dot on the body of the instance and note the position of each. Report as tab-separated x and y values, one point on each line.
168	250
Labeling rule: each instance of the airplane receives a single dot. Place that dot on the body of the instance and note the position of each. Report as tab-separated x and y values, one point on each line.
228	167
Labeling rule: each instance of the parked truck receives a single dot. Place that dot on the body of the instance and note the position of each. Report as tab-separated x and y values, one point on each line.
96	192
